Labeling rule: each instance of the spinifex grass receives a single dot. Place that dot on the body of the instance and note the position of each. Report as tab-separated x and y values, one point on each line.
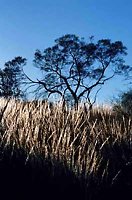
92	148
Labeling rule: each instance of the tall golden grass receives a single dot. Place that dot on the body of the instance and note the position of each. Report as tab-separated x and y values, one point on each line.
95	145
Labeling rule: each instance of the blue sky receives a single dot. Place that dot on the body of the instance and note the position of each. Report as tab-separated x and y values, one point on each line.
27	25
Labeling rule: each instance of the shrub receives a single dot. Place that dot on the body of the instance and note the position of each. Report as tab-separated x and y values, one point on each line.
123	104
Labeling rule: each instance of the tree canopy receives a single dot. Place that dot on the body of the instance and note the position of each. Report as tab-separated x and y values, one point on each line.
73	68
11	78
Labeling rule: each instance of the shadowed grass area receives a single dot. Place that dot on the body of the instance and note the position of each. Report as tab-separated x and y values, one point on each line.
62	153
37	179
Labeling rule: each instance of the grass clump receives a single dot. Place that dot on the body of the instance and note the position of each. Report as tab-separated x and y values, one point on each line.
52	152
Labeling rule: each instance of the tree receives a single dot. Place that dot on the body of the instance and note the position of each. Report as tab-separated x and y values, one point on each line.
123	104
11	78
74	68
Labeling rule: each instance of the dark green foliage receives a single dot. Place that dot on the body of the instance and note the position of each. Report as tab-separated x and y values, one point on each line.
123	104
11	78
126	102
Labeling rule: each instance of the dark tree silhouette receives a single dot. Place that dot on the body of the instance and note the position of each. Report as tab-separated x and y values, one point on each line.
73	68
11	78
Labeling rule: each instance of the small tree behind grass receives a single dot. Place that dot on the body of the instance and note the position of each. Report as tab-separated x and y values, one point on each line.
123	104
12	79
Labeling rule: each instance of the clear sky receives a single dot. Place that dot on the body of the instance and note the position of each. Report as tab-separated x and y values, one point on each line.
27	25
